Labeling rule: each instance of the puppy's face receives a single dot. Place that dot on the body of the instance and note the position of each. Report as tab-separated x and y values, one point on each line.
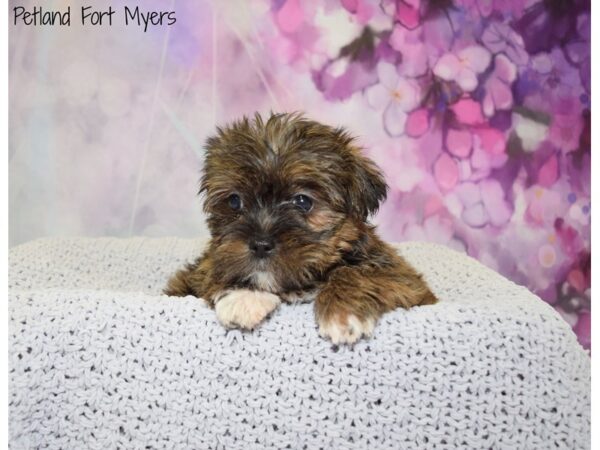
286	199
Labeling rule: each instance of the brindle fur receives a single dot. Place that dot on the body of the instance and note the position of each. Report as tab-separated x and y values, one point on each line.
331	251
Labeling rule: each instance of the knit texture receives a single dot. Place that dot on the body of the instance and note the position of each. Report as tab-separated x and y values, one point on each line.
99	359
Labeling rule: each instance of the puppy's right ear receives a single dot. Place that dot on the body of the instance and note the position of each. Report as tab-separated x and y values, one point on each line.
368	188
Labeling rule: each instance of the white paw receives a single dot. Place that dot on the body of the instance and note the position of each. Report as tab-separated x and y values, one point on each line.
346	332
245	308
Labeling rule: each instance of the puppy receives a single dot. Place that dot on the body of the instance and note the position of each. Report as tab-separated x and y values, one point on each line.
287	202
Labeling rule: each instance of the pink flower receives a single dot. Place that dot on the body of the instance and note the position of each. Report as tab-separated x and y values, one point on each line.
407	13
498	209
436	228
480	150
566	124
415	52
482	164
362	9
468	111
290	16
498	93
296	36
417	123
396	95
583	329
548	173
402	167
576	278
569	239
445	171
543	205
464	66
433	205
459	142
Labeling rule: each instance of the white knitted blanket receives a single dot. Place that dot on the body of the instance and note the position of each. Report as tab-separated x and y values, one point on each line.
99	359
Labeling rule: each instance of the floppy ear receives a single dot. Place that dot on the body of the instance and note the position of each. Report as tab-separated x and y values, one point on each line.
367	187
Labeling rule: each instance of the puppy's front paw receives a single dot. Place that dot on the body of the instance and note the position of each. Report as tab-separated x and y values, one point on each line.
345	329
245	308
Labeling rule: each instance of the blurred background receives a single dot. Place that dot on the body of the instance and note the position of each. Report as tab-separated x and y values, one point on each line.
478	111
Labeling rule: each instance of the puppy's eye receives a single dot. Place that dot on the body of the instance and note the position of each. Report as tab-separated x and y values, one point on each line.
303	202
235	202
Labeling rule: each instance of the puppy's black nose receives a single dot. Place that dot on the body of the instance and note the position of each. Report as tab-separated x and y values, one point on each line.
262	247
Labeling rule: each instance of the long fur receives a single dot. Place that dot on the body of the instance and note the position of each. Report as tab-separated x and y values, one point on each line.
331	252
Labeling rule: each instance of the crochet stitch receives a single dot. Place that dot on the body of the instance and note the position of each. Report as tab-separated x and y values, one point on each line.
100	359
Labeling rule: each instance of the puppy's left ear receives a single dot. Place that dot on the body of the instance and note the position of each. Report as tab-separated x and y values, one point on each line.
367	187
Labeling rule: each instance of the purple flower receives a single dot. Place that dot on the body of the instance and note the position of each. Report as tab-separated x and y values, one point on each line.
485	8
547	24
499	37
484	203
486	111
340	79
555	71
578	50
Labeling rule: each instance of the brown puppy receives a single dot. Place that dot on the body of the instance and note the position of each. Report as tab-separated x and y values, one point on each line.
287	202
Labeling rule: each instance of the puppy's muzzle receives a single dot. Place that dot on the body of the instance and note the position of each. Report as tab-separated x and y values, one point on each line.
262	247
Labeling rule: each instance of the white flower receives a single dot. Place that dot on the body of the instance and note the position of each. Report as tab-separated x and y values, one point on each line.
530	132
464	66
395	95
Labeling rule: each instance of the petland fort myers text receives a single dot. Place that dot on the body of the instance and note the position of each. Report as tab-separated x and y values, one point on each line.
91	16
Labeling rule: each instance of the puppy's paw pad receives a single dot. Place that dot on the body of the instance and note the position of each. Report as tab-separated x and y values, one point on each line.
346	331
245	308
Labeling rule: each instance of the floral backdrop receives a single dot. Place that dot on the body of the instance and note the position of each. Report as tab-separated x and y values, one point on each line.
478	111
